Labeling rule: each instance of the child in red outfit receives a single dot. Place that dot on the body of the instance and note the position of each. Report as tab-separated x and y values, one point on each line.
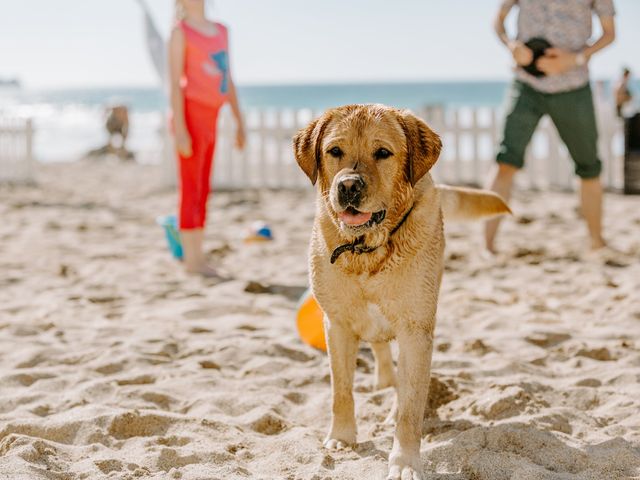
201	84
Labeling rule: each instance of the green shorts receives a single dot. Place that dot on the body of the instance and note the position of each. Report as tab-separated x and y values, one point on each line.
572	113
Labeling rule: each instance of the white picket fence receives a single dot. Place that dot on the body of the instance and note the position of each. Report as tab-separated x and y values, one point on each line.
16	150
470	137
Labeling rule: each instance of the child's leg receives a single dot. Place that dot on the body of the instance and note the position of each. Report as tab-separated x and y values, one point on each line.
189	209
190	217
205	179
192	248
189	195
195	173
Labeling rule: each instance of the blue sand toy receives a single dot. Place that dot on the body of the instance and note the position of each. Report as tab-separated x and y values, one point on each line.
258	232
170	225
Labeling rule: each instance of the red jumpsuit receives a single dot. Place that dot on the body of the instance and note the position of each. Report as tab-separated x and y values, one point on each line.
204	85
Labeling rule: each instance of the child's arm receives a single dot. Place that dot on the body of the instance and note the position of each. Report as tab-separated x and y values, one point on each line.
176	68
237	114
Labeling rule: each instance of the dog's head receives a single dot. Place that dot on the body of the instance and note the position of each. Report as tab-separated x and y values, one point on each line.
366	160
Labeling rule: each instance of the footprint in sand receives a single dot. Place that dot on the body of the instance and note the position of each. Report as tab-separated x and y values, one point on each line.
441	392
144	379
547	339
601	354
134	424
201	314
209	364
110	368
589	382
198	330
174	441
38	358
293	354
170	458
297	398
268	424
477	346
41	410
104	299
24	379
109	466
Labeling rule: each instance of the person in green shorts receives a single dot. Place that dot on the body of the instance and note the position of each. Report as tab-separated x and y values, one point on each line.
562	92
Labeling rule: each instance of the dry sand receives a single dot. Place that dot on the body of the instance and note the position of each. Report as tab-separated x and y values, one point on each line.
114	364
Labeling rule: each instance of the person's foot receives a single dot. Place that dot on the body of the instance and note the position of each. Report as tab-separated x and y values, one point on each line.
487	254
206	271
605	255
489	244
597	244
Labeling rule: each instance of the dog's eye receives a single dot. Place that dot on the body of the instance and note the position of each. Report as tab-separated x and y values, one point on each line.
382	153
335	152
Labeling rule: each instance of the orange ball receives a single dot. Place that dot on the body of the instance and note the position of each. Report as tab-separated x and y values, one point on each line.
310	322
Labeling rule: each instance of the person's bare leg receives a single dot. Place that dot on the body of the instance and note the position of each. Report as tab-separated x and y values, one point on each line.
194	260
192	249
591	201
502	186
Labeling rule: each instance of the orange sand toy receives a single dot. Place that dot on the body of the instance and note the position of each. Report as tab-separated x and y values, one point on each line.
310	322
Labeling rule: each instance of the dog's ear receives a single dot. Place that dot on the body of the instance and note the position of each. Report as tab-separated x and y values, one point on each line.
423	146
307	147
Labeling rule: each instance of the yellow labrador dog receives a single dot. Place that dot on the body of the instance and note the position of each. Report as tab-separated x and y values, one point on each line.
376	257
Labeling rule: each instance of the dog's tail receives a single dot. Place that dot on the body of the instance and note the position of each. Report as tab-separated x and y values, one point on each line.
460	203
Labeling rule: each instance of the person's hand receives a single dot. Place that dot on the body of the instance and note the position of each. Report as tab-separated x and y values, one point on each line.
241	137
521	53
556	61
183	143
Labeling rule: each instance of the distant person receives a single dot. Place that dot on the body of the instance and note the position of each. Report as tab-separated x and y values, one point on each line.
623	93
117	123
559	88
201	84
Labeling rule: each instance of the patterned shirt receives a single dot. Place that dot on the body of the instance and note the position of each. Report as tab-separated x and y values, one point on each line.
564	24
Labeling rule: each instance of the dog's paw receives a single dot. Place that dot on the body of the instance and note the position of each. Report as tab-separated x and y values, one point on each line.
334	444
405	467
397	472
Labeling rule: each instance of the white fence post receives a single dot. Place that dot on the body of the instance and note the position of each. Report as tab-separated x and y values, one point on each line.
29	149
476	132
16	150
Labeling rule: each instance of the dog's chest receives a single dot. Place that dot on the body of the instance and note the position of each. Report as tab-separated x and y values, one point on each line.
373	325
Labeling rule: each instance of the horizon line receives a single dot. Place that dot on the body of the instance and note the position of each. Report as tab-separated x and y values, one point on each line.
289	83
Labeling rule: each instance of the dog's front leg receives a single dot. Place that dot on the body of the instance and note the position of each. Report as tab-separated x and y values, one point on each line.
414	365
343	348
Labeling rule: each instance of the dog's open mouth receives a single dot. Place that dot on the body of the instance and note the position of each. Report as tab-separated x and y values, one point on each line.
355	218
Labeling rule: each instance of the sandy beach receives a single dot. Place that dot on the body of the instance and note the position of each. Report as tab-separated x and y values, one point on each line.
116	365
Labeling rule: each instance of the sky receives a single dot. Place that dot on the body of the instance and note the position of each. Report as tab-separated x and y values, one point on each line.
100	43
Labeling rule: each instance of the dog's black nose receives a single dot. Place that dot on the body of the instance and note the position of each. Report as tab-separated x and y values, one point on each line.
350	190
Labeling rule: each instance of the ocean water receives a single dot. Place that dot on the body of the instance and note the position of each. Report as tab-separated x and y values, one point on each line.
68	123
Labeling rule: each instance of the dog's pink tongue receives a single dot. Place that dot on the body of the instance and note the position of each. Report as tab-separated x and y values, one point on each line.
355	219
